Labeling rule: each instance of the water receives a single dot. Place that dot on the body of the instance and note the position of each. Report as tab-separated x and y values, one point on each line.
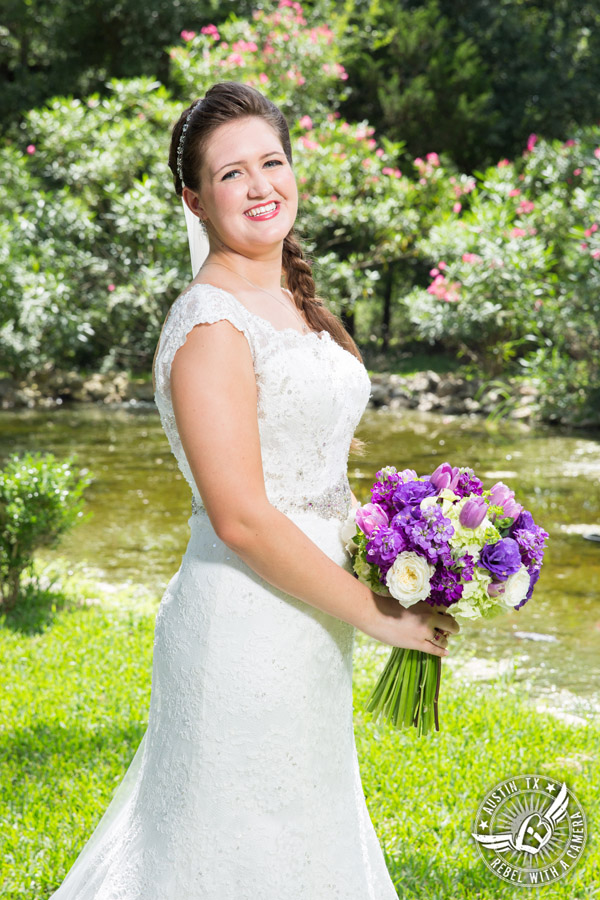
141	504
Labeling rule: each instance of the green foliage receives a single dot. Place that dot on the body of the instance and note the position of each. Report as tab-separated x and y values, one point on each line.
94	248
472	80
76	46
40	499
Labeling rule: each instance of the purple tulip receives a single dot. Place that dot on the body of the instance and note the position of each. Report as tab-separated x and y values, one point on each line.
445	476
503	496
501	559
369	517
473	512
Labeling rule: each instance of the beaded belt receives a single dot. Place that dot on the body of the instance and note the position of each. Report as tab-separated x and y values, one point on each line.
332	503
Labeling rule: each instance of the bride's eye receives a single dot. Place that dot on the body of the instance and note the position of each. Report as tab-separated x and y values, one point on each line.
277	162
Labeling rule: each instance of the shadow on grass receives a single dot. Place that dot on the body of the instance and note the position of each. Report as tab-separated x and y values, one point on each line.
36	608
34	751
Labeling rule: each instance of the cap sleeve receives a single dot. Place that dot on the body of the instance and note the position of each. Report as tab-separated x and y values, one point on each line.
202	303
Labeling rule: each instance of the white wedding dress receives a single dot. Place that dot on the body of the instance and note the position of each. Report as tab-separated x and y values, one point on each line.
246	784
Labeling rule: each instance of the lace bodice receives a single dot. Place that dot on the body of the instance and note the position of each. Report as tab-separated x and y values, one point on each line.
311	396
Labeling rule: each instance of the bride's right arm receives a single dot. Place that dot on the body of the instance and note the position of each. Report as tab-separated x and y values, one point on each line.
213	390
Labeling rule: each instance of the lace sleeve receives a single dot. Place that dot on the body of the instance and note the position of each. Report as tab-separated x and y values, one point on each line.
201	304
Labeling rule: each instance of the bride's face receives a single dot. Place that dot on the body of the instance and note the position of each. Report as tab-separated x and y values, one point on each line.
245	167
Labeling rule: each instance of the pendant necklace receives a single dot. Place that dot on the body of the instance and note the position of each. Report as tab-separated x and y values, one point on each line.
305	327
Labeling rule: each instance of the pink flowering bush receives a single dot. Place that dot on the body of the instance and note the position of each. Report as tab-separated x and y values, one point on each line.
521	275
287	52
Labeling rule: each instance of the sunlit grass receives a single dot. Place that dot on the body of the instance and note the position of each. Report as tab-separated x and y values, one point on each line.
75	704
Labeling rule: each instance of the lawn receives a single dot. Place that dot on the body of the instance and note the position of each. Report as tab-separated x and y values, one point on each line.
77	673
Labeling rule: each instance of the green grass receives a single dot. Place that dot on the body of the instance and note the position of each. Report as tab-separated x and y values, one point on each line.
75	702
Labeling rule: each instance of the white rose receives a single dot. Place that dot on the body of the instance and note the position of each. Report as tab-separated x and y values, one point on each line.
409	578
516	587
348	531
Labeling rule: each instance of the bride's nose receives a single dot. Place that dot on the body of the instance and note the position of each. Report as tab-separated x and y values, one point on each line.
259	185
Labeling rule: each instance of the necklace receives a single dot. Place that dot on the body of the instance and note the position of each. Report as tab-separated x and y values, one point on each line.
305	327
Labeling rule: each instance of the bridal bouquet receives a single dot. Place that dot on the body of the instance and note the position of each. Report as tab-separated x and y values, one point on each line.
441	538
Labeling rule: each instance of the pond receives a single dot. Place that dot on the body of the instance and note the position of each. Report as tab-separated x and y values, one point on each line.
140	504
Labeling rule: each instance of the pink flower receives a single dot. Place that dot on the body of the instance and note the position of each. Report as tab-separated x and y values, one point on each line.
310	145
379	152
367	162
457	207
371	143
433	159
569	143
434	272
583	246
111	288
514	192
595	254
471	258
263	78
30	149
235	59
370	516
442	265
531	142
207	29
597	152
387	170
334	197
518	232
305	122
503	162
576	171
525	206
188	35
473	513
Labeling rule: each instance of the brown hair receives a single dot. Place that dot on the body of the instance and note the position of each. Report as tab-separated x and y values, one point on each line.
224	102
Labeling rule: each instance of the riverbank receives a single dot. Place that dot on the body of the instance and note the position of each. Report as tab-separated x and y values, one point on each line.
450	393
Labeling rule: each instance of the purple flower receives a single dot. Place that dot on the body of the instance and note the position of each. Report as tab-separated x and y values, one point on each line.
473	513
502	559
530	538
370	516
386	481
383	546
444	476
524	521
427	531
466	566
411	493
503	496
445	586
467	483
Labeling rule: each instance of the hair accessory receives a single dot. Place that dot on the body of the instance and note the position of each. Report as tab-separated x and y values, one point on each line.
181	140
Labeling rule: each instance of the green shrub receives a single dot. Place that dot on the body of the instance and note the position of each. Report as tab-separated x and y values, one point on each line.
40	499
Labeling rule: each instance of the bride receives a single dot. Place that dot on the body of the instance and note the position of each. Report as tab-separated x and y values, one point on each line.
246	785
